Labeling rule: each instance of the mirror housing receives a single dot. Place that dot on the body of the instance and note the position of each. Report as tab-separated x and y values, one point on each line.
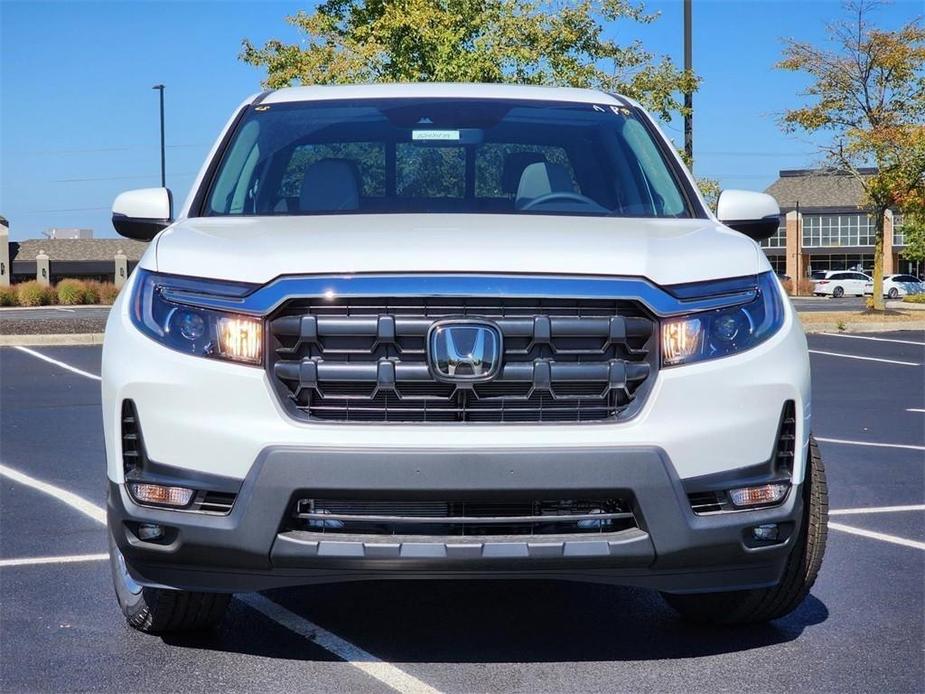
141	214
756	215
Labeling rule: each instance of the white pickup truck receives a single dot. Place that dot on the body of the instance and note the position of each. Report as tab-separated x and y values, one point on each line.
454	331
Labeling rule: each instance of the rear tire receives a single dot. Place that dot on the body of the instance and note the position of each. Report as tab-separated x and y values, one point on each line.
838	292
160	611
765	604
893	293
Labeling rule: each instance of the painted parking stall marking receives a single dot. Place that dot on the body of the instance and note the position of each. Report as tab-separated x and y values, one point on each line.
388	674
875	339
855	356
60	364
68	559
874	444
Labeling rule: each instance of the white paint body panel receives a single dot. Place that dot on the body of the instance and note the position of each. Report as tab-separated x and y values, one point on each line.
143	203
742	205
257	249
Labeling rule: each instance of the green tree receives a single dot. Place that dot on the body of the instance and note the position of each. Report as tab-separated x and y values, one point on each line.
867	92
524	41
914	231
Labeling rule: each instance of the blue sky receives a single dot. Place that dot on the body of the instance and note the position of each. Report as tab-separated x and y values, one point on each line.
79	121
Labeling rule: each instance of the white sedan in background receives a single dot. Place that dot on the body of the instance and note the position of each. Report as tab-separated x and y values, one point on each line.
895	286
838	283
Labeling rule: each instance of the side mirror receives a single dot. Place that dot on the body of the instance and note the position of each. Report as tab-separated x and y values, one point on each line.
140	214
754	214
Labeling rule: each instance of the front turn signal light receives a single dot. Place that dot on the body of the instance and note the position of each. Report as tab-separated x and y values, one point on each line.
160	495
758	496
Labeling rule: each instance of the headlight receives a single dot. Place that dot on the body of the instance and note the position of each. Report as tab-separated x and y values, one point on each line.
713	334
188	328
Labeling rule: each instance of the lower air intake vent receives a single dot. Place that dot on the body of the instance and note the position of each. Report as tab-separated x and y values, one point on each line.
463	518
133	450
706	502
786	439
214	502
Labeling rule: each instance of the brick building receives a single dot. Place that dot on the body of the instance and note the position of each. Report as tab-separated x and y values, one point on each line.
824	228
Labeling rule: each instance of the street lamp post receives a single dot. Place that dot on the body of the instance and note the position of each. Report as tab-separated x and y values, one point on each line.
688	94
160	88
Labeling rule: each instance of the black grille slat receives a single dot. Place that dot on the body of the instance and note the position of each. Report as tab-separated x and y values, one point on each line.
426	517
364	360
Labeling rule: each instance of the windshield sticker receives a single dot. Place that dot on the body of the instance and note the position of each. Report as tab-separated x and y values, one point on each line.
444	135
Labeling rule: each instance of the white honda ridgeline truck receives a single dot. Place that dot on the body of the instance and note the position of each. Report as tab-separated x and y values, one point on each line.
455	331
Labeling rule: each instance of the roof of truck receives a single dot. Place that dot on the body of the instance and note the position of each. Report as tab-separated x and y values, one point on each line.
442	90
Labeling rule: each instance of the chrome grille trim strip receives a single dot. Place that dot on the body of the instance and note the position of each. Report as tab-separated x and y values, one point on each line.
267	298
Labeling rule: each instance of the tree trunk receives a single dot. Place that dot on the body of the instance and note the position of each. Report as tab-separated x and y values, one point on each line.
879	215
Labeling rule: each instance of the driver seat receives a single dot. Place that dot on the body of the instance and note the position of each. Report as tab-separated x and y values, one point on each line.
542	178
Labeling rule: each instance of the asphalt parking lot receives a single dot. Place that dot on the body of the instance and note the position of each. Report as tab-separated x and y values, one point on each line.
860	630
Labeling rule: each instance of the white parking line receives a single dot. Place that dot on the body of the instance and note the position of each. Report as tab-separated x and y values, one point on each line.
855	356
875	339
877	536
39	355
907	446
914	409
874	509
70	559
69	498
388	674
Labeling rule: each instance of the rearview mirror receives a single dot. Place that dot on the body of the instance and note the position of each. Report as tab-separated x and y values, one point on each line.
756	215
140	214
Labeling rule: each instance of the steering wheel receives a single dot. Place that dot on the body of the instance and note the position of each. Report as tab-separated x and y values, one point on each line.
559	195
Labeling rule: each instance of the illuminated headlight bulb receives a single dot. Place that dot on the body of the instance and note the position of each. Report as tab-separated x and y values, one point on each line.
240	338
681	340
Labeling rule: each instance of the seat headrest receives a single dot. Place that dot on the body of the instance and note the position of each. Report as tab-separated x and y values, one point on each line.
330	185
514	165
543	178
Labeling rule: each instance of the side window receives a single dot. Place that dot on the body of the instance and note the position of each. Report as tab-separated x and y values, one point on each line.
369	158
859	276
838	276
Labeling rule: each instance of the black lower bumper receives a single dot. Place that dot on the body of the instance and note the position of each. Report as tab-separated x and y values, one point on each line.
672	549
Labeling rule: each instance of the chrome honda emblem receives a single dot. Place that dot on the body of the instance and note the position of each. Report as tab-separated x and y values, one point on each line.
464	350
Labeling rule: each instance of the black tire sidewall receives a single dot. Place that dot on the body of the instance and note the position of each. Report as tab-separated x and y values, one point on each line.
130	603
838	292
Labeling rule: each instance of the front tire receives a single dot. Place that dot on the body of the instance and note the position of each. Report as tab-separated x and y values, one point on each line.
893	293
765	604
159	610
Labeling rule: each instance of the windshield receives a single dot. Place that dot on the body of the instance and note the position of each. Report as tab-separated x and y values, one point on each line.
381	156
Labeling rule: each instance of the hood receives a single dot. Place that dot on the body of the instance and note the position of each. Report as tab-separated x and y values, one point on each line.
258	249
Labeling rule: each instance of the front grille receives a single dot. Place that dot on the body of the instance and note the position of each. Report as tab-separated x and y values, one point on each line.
462	518
365	360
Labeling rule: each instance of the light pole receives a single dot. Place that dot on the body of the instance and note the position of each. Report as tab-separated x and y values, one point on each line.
160	88
688	94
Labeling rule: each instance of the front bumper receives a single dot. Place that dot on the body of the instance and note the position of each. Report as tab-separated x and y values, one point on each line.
672	549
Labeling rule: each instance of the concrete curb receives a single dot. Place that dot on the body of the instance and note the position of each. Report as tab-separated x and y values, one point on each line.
864	327
49	340
53	307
